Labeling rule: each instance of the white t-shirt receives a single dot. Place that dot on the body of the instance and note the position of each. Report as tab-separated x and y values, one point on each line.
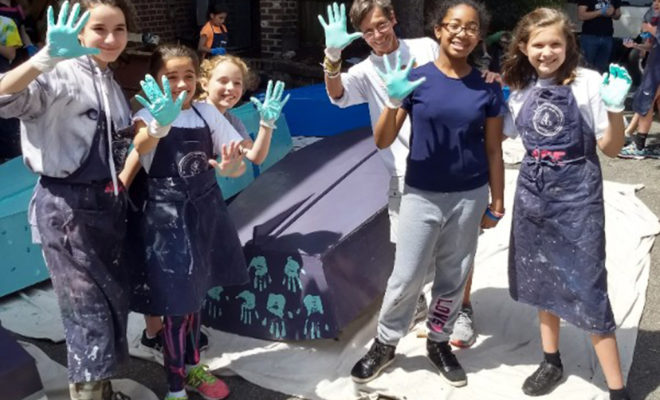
222	131
363	85
585	89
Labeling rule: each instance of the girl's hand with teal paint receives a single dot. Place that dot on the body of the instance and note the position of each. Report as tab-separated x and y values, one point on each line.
273	104
615	87
160	103
396	80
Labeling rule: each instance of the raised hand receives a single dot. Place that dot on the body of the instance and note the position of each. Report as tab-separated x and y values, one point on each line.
396	80
62	36
273	104
615	87
160	103
336	36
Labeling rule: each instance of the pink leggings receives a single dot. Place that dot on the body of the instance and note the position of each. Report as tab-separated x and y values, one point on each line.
180	347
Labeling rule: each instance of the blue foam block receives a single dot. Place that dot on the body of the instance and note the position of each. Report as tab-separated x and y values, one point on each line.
310	113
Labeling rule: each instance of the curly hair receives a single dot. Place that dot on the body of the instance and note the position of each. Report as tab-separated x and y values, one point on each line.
208	66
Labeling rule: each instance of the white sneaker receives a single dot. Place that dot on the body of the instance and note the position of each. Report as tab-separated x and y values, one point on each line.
464	334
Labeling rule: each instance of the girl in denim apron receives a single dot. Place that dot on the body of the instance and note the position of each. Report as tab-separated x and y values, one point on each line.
75	133
181	240
557	249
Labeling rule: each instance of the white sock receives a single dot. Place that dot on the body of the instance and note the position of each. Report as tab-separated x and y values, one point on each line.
181	394
189	367
150	336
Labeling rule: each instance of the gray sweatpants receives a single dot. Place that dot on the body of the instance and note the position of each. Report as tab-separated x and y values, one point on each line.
436	230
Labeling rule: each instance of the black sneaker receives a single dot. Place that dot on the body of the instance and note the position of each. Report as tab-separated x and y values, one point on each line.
154	345
543	380
373	363
443	358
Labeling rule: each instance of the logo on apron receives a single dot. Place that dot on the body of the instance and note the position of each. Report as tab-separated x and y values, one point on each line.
193	163
548	120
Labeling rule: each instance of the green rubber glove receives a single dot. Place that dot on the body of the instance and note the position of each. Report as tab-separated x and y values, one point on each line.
62	37
396	80
336	36
160	103
273	104
615	87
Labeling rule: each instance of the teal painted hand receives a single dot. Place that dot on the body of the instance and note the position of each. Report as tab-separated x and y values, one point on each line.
160	103
248	312
396	79
273	104
314	308
292	273
62	36
275	306
336	36
212	302
615	87
261	276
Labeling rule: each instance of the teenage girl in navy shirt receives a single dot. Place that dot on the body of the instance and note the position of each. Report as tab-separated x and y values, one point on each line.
455	156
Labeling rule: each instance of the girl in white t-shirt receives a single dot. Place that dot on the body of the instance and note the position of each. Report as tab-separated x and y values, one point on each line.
181	240
557	249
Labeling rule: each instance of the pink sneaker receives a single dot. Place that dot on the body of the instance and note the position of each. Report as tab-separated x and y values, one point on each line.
200	380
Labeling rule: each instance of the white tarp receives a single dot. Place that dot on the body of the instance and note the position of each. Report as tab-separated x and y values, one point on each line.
507	351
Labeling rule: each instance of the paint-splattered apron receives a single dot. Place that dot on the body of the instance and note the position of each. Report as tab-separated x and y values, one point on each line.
643	98
187	244
557	249
81	225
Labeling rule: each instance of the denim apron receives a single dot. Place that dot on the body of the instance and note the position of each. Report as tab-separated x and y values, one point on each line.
81	225
187	243
557	248
643	98
220	38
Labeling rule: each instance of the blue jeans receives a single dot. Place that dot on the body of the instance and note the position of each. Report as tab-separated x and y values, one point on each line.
597	51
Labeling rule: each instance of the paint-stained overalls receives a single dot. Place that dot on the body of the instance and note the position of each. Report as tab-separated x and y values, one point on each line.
187	243
557	249
81	224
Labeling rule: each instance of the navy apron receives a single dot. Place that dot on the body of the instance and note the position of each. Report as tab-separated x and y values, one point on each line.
188	243
220	39
643	98
81	224
557	248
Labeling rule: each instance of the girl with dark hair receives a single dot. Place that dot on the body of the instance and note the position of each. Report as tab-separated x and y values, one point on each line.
75	131
557	249
181	241
455	156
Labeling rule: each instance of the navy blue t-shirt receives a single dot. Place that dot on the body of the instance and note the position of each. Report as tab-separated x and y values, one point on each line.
447	140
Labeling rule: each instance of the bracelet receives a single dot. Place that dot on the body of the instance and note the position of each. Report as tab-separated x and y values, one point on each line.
331	68
496	213
493	215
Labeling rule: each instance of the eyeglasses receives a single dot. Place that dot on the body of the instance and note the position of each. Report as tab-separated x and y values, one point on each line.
455	28
381	28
